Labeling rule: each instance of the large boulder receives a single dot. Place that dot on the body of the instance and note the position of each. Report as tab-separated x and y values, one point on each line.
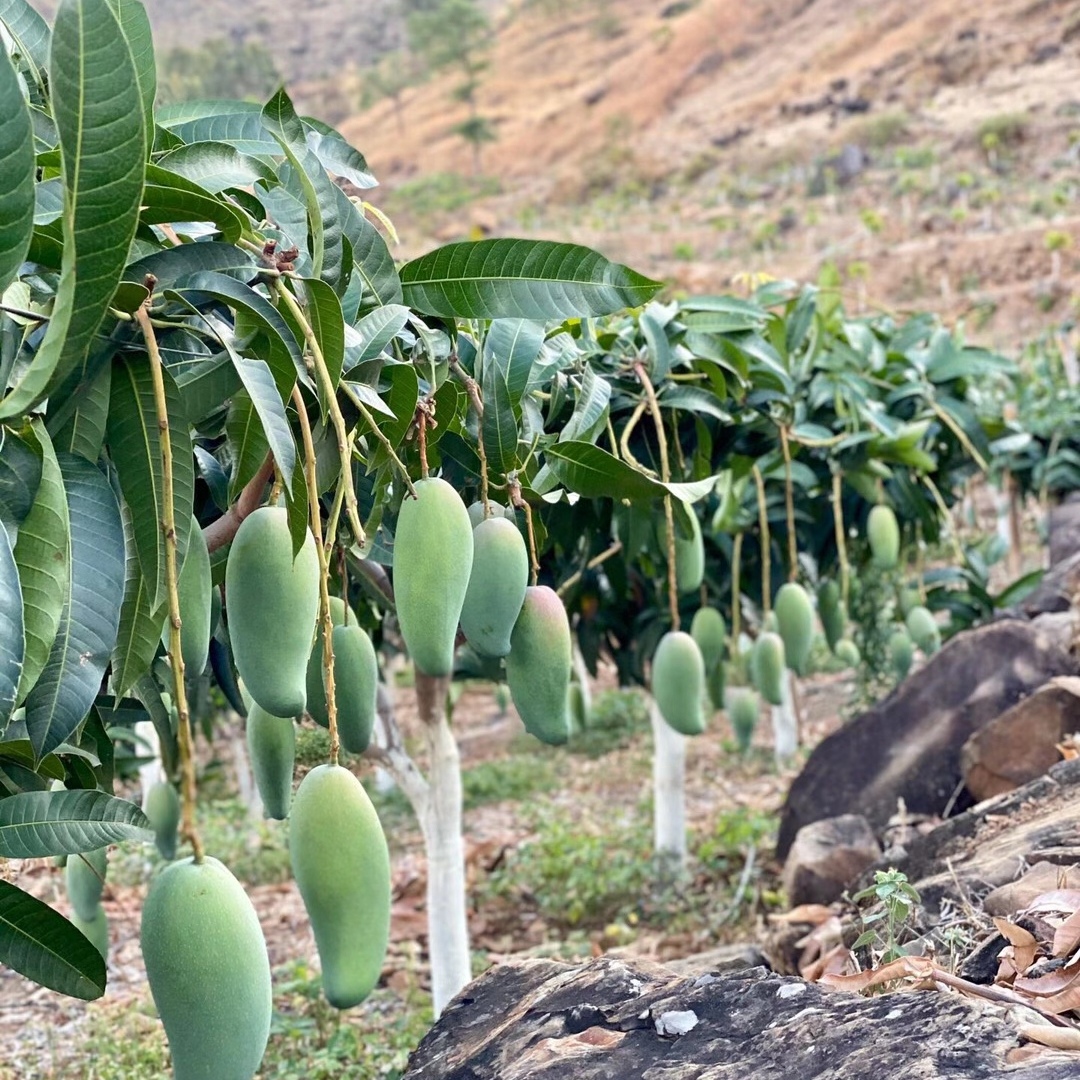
543	1020
826	857
908	747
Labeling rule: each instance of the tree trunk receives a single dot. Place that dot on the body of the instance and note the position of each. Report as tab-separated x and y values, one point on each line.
669	791
785	726
150	772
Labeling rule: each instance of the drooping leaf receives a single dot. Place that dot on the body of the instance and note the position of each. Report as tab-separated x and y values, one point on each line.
320	192
43	823
12	642
500	432
596	474
63	695
513	345
259	384
30	33
99	116
373	333
324	314
41	944
41	554
371	257
659	346
133	20
20	474
215	166
174	263
590	409
81	427
336	155
136	450
16	173
520	279
247	441
169	197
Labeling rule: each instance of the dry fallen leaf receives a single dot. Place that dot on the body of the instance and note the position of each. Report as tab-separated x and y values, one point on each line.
814	914
1024	947
1067	935
1060	1038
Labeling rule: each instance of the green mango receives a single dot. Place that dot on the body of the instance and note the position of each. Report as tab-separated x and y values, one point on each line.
577	708
502	698
95	930
208	970
539	664
497	584
678	682
342	868
883	532
907	597
84	876
770	624
476	512
271	743
923	628
163	810
356	686
848	652
272	601
316	691
795	624
901	652
715	683
743	709
707	628
433	556
690	558
195	591
831	612
767	664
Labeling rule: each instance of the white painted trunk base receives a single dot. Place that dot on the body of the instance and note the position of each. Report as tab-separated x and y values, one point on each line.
669	790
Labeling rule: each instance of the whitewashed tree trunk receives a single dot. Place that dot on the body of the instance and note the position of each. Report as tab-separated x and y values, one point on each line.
150	772
785	726
669	790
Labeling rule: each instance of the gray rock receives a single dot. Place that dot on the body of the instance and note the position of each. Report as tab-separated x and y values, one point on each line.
826	857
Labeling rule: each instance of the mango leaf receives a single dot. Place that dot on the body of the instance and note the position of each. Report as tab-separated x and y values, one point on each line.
174	263
30	34
401	397
513	346
140	621
500	432
78	426
259	384
248	444
371	257
215	166
38	824
373	333
98	111
16	173
20	474
657	340
41	944
696	400
320	192
523	279
324	313
596	474
336	155
41	556
135	446
590	409
169	197
65	692
133	20
238	123
12	643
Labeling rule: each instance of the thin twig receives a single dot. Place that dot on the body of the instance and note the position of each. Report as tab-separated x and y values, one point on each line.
736	592
592	564
766	543
624	439
220	532
388	446
168	528
472	388
789	506
516	499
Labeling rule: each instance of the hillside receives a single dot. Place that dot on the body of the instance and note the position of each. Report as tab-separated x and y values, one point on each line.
689	139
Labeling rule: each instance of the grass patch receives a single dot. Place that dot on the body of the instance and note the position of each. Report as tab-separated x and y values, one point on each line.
878	132
440	193
510	779
615	718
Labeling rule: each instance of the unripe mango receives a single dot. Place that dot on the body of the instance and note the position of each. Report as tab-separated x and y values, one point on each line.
577	708
85	878
767	664
923	628
342	867
883	532
433	555
743	709
715	684
901	652
195	591
539	664
316	691
690	558
163	810
95	930
707	628
795	621
907	597
476	512
831	612
497	584
208	970
678	682
847	652
356	686
272	601
271	743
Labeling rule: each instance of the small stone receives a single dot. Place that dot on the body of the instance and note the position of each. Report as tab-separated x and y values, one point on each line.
676	1023
827	856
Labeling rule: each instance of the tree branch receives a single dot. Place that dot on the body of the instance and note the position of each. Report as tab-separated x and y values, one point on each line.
219	533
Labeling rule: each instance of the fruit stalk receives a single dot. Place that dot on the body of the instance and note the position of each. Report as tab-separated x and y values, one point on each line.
789	505
322	373
388	446
324	573
736	591
766	543
168	528
665	476
841	538
592	564
472	388
518	501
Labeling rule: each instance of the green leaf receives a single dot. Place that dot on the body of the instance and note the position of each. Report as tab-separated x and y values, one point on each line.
205	384
513	346
659	347
373	333
371	257
30	33
336	155
324	313
523	279
80	429
98	110
174	263
596	474
41	944
133	20
41	554
694	399
140	621
65	692
500	432
259	384
12	643
248	444
215	166
135	448
38	824
320	192
401	396
590	409
16	173
168	197
20	474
